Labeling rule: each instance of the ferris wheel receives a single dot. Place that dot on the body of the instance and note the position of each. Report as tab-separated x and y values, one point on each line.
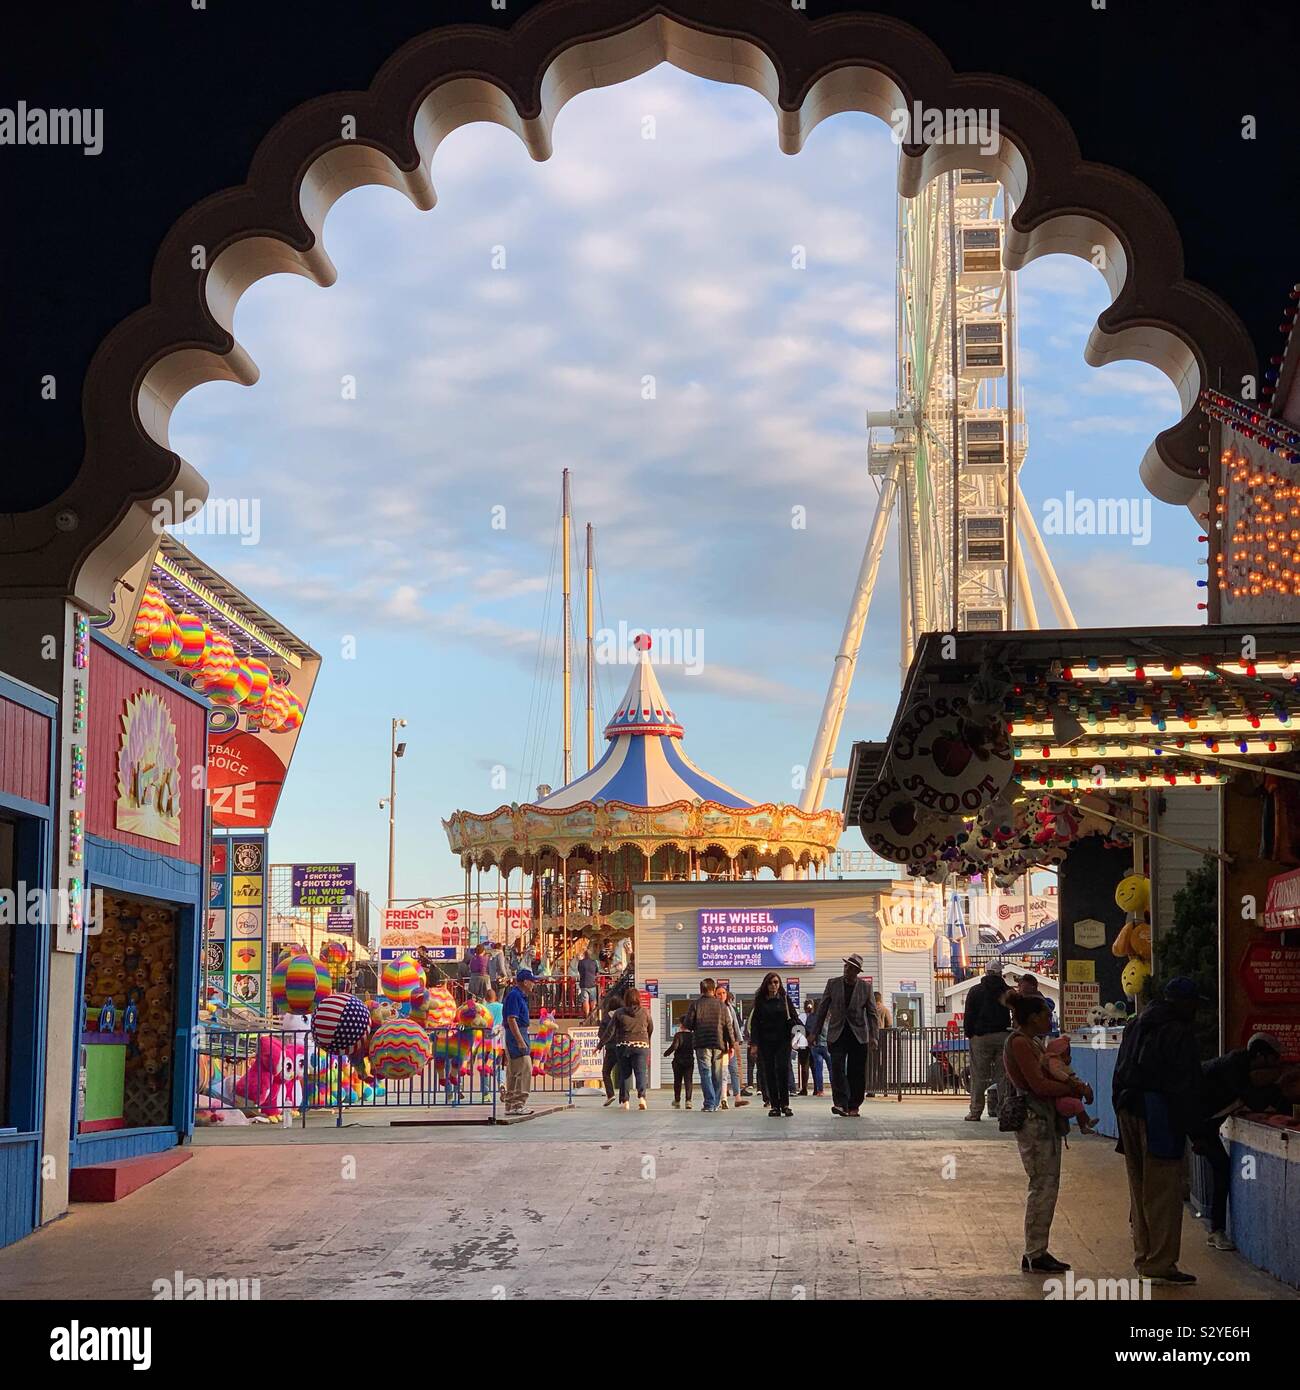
950	469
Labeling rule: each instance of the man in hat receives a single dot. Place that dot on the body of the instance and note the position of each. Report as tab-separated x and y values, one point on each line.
1156	1092
519	1064
847	1013
988	1026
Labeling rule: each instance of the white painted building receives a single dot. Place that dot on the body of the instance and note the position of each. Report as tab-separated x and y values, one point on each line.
874	917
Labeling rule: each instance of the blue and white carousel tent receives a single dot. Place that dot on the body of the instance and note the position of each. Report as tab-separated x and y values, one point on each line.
645	763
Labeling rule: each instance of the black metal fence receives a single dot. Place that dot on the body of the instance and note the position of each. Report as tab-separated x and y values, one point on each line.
273	1074
920	1061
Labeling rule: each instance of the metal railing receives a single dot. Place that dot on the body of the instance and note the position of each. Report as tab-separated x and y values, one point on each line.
276	1074
920	1061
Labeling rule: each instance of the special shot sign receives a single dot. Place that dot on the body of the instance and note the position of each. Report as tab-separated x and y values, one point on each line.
756	938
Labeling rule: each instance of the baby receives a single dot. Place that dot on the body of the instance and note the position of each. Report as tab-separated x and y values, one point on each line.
1058	1067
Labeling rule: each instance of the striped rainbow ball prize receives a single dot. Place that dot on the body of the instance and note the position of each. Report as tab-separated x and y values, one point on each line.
399	978
339	1023
194	639
563	1054
399	1049
441	1010
293	982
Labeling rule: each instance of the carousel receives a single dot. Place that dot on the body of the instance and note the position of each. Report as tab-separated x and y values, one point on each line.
643	813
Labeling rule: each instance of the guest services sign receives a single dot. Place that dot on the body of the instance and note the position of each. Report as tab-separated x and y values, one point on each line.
756	938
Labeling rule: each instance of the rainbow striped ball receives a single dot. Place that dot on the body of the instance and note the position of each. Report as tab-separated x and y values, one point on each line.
560	1059
399	1049
441	1009
399	979
339	1023
194	639
294	982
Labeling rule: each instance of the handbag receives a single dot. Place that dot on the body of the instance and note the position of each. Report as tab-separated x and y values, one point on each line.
798	1037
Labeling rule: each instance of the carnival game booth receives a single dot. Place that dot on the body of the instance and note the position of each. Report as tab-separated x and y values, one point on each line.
27	849
187	621
1019	752
645	813
145	846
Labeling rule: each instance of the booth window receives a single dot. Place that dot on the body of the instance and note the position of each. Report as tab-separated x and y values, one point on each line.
127	1043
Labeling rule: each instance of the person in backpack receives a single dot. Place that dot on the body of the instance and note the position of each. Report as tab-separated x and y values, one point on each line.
1039	1136
633	1030
988	1026
1157	1092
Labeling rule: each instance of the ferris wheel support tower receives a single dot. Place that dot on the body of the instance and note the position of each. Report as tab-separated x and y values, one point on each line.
950	472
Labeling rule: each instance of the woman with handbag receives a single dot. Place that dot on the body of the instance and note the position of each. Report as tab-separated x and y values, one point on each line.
771	1028
1030	1111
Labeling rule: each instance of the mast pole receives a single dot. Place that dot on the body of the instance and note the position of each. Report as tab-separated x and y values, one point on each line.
568	645
591	647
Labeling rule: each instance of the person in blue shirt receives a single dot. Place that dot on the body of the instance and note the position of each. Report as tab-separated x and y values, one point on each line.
519	1066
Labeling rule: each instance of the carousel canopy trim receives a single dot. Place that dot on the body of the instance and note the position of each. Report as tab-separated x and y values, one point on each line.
644	793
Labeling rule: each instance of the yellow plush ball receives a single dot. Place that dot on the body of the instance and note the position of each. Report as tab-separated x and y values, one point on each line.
1134	979
1133	893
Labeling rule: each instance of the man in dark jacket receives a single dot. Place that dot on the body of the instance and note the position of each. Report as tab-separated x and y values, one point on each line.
988	1026
714	1029
1243	1079
846	1016
1156	1093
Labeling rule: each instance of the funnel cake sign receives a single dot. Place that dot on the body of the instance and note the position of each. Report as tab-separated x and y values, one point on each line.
148	771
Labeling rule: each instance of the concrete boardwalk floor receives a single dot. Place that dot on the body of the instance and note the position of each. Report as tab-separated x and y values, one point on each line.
909	1202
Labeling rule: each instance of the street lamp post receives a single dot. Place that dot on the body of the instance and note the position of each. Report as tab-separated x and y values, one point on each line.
396	750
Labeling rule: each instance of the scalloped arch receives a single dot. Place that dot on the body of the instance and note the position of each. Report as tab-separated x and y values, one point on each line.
520	78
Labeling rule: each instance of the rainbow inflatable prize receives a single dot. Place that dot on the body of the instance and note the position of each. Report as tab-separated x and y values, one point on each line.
399	978
399	1049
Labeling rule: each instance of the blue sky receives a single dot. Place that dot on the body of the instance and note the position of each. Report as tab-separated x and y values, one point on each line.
625	258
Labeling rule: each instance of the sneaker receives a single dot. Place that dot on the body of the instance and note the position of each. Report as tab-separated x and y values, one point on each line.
677	1105
739	1103
640	1104
625	1105
1042	1264
688	1105
722	1105
852	1114
773	1114
1175	1276
787	1112
819	1093
804	1092
835	1110
1220	1240
746	1091
976	1118
610	1100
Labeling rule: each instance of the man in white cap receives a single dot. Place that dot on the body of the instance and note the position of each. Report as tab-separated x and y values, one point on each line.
848	1013
988	1026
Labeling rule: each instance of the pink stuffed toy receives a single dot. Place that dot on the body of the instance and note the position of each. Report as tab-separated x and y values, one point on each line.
274	1081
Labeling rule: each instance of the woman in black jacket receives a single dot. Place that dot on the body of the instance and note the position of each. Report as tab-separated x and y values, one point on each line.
633	1030
771	1023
